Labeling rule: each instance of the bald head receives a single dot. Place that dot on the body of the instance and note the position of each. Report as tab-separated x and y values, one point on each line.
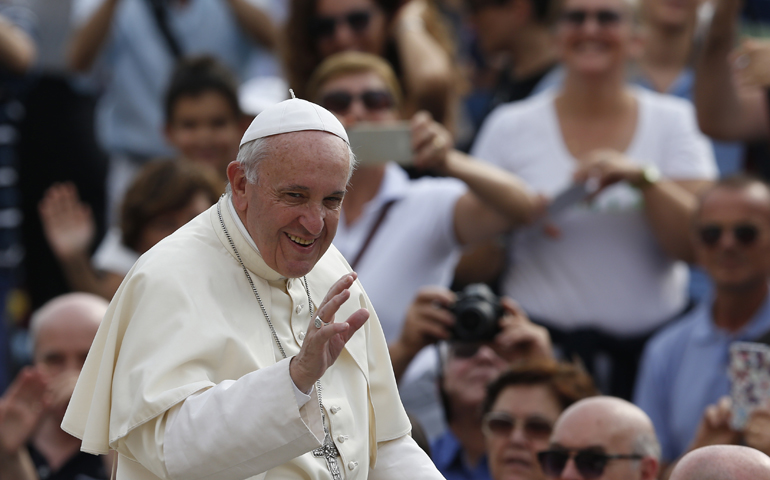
612	426
73	309
723	462
63	329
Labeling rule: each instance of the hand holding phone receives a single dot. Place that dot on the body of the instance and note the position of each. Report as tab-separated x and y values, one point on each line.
750	376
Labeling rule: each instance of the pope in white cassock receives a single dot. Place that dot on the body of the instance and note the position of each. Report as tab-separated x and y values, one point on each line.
239	347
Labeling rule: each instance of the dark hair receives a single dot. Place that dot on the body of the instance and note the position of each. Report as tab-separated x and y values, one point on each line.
544	11
301	57
195	76
567	382
163	186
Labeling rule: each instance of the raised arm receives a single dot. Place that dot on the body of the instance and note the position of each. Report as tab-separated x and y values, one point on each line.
726	111
255	22
21	409
497	200
17	50
89	38
426	66
69	228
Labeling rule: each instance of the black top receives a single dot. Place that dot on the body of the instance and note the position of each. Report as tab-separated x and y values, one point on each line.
82	466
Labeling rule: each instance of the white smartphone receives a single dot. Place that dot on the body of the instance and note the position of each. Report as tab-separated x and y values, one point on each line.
376	143
575	193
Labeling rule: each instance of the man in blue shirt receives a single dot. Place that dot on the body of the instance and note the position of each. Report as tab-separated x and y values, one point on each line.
684	367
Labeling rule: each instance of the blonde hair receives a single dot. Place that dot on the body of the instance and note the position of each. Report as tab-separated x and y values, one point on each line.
347	63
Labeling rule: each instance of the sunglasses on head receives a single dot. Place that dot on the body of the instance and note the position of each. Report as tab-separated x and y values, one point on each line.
744	234
590	464
357	20
604	17
373	100
502	424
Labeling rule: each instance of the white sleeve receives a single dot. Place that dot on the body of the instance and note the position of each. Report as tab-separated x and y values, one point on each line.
403	459
234	430
688	154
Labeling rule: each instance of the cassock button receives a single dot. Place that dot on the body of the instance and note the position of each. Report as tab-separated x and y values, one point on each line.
301	336
342	438
352	465
335	409
298	308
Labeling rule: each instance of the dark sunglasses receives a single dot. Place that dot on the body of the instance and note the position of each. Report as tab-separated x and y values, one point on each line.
464	349
590	464
476	6
501	424
357	20
374	100
745	234
604	17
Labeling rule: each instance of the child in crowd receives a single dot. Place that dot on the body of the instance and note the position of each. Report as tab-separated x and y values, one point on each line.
203	118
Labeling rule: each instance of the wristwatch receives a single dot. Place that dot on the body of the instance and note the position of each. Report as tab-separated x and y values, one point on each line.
650	175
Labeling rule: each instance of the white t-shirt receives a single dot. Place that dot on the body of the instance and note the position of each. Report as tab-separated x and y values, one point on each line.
607	269
414	246
112	255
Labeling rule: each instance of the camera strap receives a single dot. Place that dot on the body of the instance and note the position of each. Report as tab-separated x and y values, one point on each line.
159	10
374	229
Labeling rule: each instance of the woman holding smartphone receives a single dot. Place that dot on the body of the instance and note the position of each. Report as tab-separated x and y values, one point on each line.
614	274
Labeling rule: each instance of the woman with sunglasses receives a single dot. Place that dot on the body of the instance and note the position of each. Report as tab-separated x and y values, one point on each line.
613	275
520	410
409	34
401	234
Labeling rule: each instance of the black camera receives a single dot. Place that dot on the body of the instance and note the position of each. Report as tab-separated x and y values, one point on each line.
477	313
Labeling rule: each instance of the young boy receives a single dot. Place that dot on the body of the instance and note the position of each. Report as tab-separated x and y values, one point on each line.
203	118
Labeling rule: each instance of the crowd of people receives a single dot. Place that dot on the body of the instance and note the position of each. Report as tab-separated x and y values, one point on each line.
553	285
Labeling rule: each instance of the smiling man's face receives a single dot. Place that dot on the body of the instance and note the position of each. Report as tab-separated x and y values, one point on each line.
293	209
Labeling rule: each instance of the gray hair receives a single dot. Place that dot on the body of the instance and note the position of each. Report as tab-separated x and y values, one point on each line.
646	444
252	153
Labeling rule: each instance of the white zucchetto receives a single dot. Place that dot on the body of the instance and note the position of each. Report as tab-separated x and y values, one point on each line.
293	115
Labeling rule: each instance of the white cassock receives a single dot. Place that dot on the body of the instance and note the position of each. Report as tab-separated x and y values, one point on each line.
185	380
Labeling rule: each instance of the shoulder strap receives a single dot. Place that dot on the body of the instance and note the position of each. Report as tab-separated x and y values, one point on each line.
369	237
160	13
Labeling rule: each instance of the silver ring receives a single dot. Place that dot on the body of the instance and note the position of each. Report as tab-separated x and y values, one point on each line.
318	322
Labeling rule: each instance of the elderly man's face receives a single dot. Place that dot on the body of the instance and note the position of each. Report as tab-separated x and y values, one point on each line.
732	237
293	210
594	432
62	345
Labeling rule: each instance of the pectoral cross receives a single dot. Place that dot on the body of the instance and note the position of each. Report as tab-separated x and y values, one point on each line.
329	451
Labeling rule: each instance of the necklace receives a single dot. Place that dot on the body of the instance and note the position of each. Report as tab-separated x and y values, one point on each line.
327	450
